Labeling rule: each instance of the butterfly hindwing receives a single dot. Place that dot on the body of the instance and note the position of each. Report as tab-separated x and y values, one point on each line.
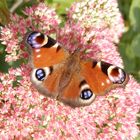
102	76
77	92
47	79
90	79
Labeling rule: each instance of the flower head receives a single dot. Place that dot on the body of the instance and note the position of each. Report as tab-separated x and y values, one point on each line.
39	18
24	113
96	24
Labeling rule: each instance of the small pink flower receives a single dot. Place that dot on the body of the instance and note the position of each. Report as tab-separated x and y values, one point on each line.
93	26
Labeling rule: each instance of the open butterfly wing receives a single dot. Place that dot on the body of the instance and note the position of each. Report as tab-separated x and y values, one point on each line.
102	76
76	93
44	50
46	59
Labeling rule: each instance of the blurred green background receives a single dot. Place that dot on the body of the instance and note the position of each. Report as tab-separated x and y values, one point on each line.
129	45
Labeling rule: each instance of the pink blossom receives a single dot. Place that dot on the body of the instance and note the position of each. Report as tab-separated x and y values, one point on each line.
45	21
26	114
96	25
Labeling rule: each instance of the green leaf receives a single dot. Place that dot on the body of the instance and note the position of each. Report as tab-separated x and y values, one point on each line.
17	63
15	84
23	5
130	52
60	5
135	45
19	77
4	12
50	1
2	48
124	7
134	15
138	137
4	66
118	125
128	59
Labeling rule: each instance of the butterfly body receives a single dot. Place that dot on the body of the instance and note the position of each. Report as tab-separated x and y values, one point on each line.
66	76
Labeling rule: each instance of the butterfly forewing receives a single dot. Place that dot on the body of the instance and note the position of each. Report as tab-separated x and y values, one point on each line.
45	51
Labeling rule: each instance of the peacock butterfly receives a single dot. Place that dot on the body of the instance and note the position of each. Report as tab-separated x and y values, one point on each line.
66	76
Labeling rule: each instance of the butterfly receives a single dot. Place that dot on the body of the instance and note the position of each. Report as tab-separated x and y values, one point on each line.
67	77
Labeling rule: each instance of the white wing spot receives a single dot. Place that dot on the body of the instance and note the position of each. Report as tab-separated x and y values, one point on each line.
45	41
56	45
102	83
38	56
99	64
84	87
37	50
107	81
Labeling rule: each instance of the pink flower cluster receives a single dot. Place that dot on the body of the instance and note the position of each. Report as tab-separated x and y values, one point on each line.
94	25
39	18
26	114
